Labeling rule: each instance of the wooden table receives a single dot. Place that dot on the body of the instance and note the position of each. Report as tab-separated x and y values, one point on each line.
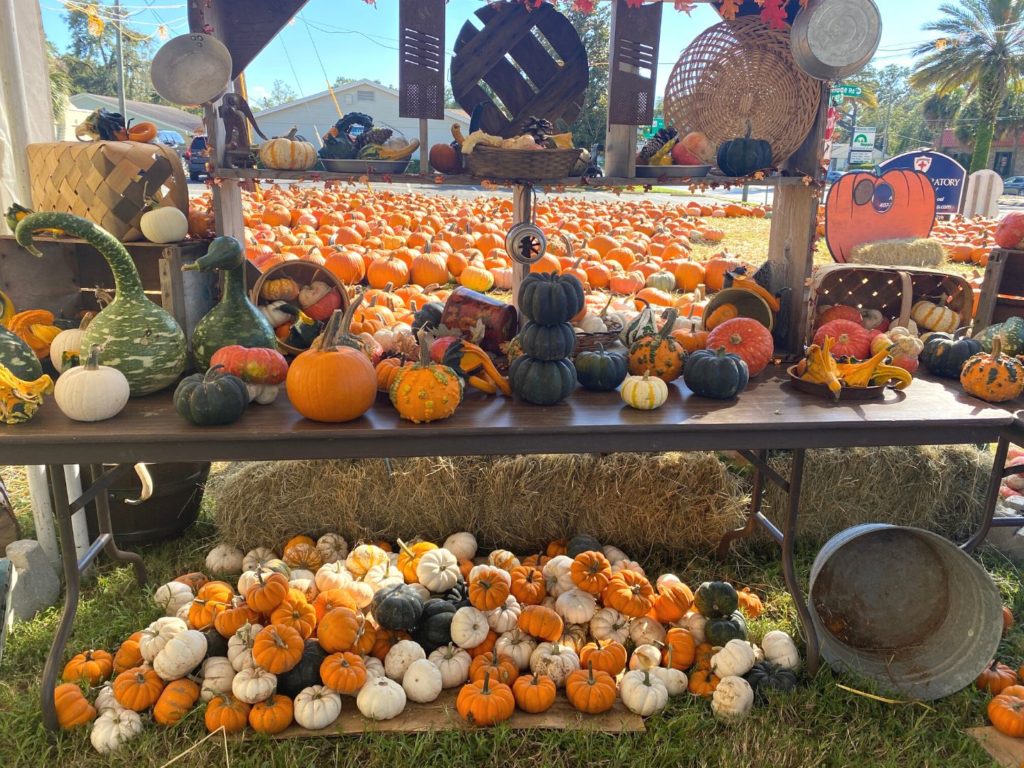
769	415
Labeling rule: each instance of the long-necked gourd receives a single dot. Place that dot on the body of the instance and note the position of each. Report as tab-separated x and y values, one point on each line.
15	354
139	338
235	319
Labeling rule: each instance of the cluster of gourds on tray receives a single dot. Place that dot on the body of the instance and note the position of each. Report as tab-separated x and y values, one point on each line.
299	634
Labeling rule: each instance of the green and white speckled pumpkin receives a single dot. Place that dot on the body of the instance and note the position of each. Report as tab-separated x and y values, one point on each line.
139	338
235	319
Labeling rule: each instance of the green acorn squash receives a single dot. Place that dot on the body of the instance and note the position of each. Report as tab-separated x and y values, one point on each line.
139	338
211	399
600	371
582	542
541	382
945	354
767	676
434	629
549	299
548	342
397	607
427	317
716	598
305	673
720	630
235	319
715	374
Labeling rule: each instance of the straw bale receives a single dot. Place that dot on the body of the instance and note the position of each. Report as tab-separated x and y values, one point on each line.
922	252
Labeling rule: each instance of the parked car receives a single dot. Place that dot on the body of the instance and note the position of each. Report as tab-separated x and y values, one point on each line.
197	154
1014	185
833	176
172	140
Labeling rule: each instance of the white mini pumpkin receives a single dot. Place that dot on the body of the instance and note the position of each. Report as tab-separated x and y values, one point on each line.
307	587
316	707
257	557
628	565
613	554
91	392
517	645
66	348
694	622
182	653
164	224
642	692
503	558
253	685
780	649
505	617
113	728
609	624
400	657
645	657
218	674
224	559
184	611
332	547
105	699
554	660
453	664
158	634
674	680
422	682
170	597
462	544
645	393
558	575
381	699
478	569
576	606
438	570
469	627
732	699
734	659
240	646
332	576
646	631
374	667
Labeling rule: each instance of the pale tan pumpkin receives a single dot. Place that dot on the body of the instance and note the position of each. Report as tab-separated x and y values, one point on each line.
288	154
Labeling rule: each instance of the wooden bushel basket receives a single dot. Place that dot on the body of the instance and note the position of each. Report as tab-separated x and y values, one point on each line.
107	182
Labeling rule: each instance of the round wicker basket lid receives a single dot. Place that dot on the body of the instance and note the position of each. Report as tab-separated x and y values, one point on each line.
741	73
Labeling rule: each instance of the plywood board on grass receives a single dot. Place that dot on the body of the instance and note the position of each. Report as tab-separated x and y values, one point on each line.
1005	750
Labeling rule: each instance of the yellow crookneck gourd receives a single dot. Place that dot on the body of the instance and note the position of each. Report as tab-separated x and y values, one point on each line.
19	400
819	367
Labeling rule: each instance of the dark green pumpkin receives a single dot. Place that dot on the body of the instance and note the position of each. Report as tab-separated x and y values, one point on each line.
1010	332
548	342
582	542
549	299
435	625
766	676
216	643
17	357
716	374
742	157
305	673
211	399
542	382
397	607
458	595
716	598
600	371
427	317
722	629
945	354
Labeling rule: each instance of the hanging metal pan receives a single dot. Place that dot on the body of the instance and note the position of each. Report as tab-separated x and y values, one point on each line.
833	39
191	69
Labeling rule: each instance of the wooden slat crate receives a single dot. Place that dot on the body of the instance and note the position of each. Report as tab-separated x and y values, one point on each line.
1002	293
634	46
64	280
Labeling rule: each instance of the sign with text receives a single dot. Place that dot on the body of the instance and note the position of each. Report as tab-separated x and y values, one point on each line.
860	156
947	176
850	91
863	138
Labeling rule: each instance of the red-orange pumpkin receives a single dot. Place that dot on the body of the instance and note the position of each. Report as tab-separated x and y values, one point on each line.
746	338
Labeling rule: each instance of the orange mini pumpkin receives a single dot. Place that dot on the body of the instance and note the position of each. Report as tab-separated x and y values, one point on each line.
534	693
488	587
485	702
92	667
542	622
629	593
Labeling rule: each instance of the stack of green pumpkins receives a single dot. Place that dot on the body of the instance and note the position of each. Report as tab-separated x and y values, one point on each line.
544	374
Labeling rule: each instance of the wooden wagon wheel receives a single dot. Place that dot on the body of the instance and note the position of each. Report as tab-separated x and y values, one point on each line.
531	61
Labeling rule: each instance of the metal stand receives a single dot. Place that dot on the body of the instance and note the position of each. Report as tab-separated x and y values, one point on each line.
74	567
999	471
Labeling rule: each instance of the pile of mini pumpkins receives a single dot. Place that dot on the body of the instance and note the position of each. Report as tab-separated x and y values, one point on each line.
1006	707
297	635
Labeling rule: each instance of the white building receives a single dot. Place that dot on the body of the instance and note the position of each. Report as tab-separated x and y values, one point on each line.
314	115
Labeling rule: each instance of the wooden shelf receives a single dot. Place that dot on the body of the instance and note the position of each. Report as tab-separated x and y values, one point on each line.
605	182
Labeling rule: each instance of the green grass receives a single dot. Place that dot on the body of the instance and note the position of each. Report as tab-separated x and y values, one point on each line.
817	725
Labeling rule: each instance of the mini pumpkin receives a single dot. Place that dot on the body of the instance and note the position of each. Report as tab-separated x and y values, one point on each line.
994	378
591	691
658	354
534	693
73	709
485	702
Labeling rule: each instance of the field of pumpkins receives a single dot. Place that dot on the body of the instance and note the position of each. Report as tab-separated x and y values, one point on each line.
270	640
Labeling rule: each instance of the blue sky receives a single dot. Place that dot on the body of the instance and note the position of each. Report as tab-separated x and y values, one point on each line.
356	40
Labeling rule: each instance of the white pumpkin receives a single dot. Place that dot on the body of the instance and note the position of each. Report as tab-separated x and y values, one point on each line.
780	649
300	574
613	554
732	699
558	575
453	664
91	392
576	606
422	682
438	570
554	660
695	623
257	557
381	699
505	617
218	674
105	699
592	323
250	577
307	587
642	692
66	348
644	393
517	645
646	631
164	224
316	707
400	657
674	680
253	685
935	317
240	646
113	728
645	657
374	667
224	559
667	578
462	544
332	548
366	556
332	576
502	558
734	659
184	611
609	624
469	627
628	565
182	653
170	597
158	634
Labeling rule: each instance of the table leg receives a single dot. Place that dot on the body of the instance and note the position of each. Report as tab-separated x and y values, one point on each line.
991	496
69	559
103	523
789	567
756	495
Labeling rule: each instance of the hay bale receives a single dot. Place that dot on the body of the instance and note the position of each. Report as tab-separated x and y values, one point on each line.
922	252
644	503
939	488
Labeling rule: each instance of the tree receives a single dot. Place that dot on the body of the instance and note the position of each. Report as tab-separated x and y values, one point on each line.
982	50
60	82
594	30
280	93
91	61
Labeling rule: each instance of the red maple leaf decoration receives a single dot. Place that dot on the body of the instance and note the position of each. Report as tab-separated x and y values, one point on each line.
583	6
685	6
729	8
773	13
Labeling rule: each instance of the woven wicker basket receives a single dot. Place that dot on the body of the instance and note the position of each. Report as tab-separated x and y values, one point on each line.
891	290
303	273
741	73
589	342
106	182
526	164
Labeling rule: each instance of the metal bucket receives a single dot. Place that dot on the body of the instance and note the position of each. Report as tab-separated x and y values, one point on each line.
833	39
904	607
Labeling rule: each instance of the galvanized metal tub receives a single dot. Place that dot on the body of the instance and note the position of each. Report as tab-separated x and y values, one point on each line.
905	607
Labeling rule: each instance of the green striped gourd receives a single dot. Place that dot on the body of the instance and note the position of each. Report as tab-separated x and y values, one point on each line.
139	338
235	319
17	357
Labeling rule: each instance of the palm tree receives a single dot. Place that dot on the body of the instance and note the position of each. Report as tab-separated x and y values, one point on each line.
982	50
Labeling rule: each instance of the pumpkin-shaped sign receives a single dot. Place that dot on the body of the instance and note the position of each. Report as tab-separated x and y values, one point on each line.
865	208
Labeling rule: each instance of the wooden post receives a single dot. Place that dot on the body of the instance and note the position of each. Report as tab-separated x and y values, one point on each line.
522	211
792	239
424	147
